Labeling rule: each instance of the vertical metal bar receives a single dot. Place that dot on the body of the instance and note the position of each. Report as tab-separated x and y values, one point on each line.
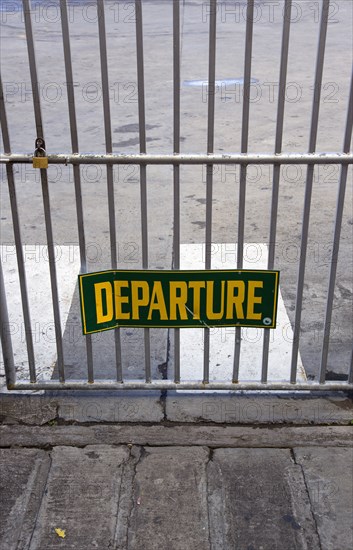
110	178
309	186
69	78
243	168
45	190
209	167
143	188
33	68
140	76
336	239
52	270
18	240
3	120
176	168
76	168
350	373
247	75
6	343
277	168
210	129
21	272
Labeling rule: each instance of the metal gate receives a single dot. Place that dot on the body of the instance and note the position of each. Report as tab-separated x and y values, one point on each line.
209	159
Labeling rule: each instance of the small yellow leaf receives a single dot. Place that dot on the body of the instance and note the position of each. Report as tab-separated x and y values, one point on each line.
61	533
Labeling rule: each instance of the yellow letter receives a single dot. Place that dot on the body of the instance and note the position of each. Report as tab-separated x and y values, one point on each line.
98	291
209	301
252	300
119	299
237	300
178	301
157	302
137	302
196	286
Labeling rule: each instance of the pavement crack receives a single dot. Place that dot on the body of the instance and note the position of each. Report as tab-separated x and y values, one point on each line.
123	490
209	459
294	459
41	496
137	454
118	501
163	369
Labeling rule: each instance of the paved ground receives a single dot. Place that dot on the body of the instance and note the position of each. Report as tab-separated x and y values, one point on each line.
159	487
212	472
158	59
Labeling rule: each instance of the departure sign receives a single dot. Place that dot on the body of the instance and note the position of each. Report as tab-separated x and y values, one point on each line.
244	298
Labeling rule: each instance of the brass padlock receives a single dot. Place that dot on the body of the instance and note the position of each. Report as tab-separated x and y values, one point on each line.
40	159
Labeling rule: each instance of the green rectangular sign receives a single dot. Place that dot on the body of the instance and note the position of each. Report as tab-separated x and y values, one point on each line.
217	298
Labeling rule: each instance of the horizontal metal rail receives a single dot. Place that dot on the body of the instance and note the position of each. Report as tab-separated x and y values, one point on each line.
181	158
162	385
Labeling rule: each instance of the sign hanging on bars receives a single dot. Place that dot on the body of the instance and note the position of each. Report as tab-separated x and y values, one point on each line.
184	299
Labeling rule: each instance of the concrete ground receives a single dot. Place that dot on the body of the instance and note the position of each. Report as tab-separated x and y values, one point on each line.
85	470
182	487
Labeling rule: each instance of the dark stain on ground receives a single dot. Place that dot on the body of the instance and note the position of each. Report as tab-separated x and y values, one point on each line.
201	225
288	518
134	128
163	369
345	292
331	375
92	454
132	141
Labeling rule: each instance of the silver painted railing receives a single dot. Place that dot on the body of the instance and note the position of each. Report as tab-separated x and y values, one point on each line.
175	159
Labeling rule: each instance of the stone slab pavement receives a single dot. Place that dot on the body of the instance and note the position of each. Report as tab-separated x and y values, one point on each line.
176	487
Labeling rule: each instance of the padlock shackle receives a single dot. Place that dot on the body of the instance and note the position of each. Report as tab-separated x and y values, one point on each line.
39	143
38	150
